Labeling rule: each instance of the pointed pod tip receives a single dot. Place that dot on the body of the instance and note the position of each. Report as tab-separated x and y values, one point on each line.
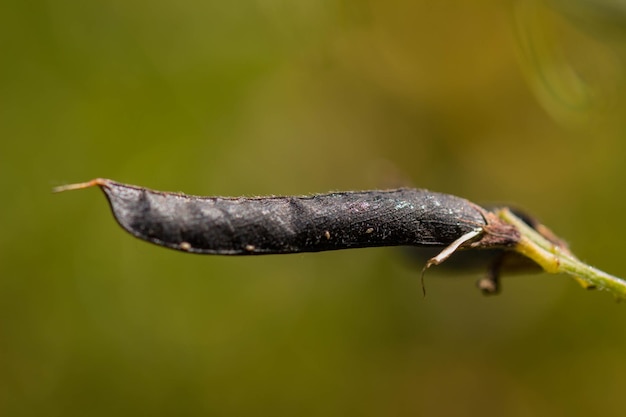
97	181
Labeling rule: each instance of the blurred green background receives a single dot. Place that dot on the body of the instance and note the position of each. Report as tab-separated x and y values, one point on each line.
498	101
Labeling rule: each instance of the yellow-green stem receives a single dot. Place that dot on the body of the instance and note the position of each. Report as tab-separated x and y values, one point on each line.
554	259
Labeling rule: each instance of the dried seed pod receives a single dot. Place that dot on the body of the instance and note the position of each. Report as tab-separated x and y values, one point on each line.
411	217
277	225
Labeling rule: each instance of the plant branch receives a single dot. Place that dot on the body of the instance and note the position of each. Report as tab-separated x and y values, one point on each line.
555	259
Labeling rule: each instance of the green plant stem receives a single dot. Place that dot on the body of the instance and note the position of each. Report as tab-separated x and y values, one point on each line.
555	260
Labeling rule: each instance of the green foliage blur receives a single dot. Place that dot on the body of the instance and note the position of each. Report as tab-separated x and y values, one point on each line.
498	101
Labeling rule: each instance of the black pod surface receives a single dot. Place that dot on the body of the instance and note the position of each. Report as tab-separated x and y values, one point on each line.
411	217
274	225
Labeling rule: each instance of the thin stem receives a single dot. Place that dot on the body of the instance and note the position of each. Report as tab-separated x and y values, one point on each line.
555	260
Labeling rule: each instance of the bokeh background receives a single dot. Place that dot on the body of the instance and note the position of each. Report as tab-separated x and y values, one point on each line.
498	101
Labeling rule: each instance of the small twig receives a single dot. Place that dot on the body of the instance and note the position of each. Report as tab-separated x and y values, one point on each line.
556	260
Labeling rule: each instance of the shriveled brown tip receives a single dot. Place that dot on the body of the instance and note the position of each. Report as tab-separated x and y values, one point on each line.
97	181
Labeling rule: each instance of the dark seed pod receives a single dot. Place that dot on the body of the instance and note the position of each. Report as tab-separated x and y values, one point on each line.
275	225
410	217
